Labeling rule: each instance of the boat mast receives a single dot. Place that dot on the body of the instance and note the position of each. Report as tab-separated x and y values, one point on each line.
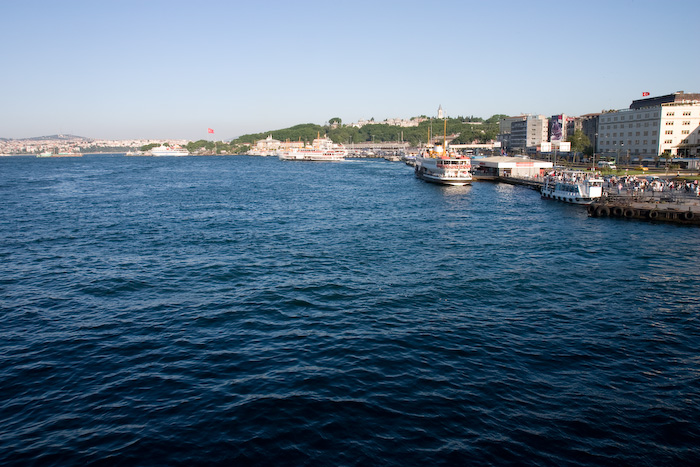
444	140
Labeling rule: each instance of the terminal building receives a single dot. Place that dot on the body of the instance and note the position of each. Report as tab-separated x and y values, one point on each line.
502	166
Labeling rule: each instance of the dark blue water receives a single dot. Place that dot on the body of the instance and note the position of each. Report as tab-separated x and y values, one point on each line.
235	310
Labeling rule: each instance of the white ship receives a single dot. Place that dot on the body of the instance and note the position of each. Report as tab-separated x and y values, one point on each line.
574	187
322	149
438	165
163	150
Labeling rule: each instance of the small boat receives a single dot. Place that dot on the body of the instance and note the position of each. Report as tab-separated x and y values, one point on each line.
163	150
439	165
575	187
322	149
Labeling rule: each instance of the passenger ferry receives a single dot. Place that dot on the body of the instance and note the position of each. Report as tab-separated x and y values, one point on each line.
574	187
163	150
445	168
322	149
437	165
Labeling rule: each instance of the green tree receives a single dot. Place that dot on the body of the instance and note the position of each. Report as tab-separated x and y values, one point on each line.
579	141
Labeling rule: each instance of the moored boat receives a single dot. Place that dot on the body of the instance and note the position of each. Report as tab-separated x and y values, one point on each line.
574	187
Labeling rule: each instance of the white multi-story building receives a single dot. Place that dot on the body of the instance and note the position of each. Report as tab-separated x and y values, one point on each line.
529	133
652	127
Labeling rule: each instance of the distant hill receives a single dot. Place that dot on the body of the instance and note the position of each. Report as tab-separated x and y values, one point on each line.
50	137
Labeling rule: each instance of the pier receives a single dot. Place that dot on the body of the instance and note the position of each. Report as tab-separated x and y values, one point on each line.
660	211
673	209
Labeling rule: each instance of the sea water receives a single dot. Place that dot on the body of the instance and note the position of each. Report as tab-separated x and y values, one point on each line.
240	310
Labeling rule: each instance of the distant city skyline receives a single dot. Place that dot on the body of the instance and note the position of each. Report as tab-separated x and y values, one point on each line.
174	69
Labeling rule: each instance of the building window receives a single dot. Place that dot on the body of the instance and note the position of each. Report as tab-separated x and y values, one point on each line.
670	114
645	142
685	132
646	133
669	123
686	114
653	141
669	132
668	141
686	123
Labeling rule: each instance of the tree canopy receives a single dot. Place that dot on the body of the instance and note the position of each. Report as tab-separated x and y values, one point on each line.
579	141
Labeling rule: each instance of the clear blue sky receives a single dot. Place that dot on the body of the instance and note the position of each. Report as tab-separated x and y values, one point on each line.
171	69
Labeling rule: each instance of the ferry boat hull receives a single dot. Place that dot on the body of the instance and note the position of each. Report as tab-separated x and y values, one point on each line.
568	198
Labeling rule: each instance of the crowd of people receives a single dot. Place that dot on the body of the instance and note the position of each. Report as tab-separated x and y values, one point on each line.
651	186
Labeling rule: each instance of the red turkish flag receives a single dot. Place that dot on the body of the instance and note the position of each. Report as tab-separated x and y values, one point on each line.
209	130
645	94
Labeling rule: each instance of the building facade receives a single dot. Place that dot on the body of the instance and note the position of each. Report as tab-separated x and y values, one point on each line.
529	133
668	124
589	127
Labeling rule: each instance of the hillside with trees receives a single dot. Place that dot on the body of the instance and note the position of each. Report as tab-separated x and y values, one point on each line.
465	130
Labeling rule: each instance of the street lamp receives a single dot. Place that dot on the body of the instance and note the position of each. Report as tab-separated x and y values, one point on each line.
595	148
622	146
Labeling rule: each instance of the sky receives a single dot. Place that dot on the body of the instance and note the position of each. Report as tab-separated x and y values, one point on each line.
152	69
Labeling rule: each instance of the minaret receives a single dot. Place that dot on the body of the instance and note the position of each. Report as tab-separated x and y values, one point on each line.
440	112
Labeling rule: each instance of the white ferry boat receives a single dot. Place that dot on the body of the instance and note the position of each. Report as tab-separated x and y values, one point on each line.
573	187
322	149
438	165
169	151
